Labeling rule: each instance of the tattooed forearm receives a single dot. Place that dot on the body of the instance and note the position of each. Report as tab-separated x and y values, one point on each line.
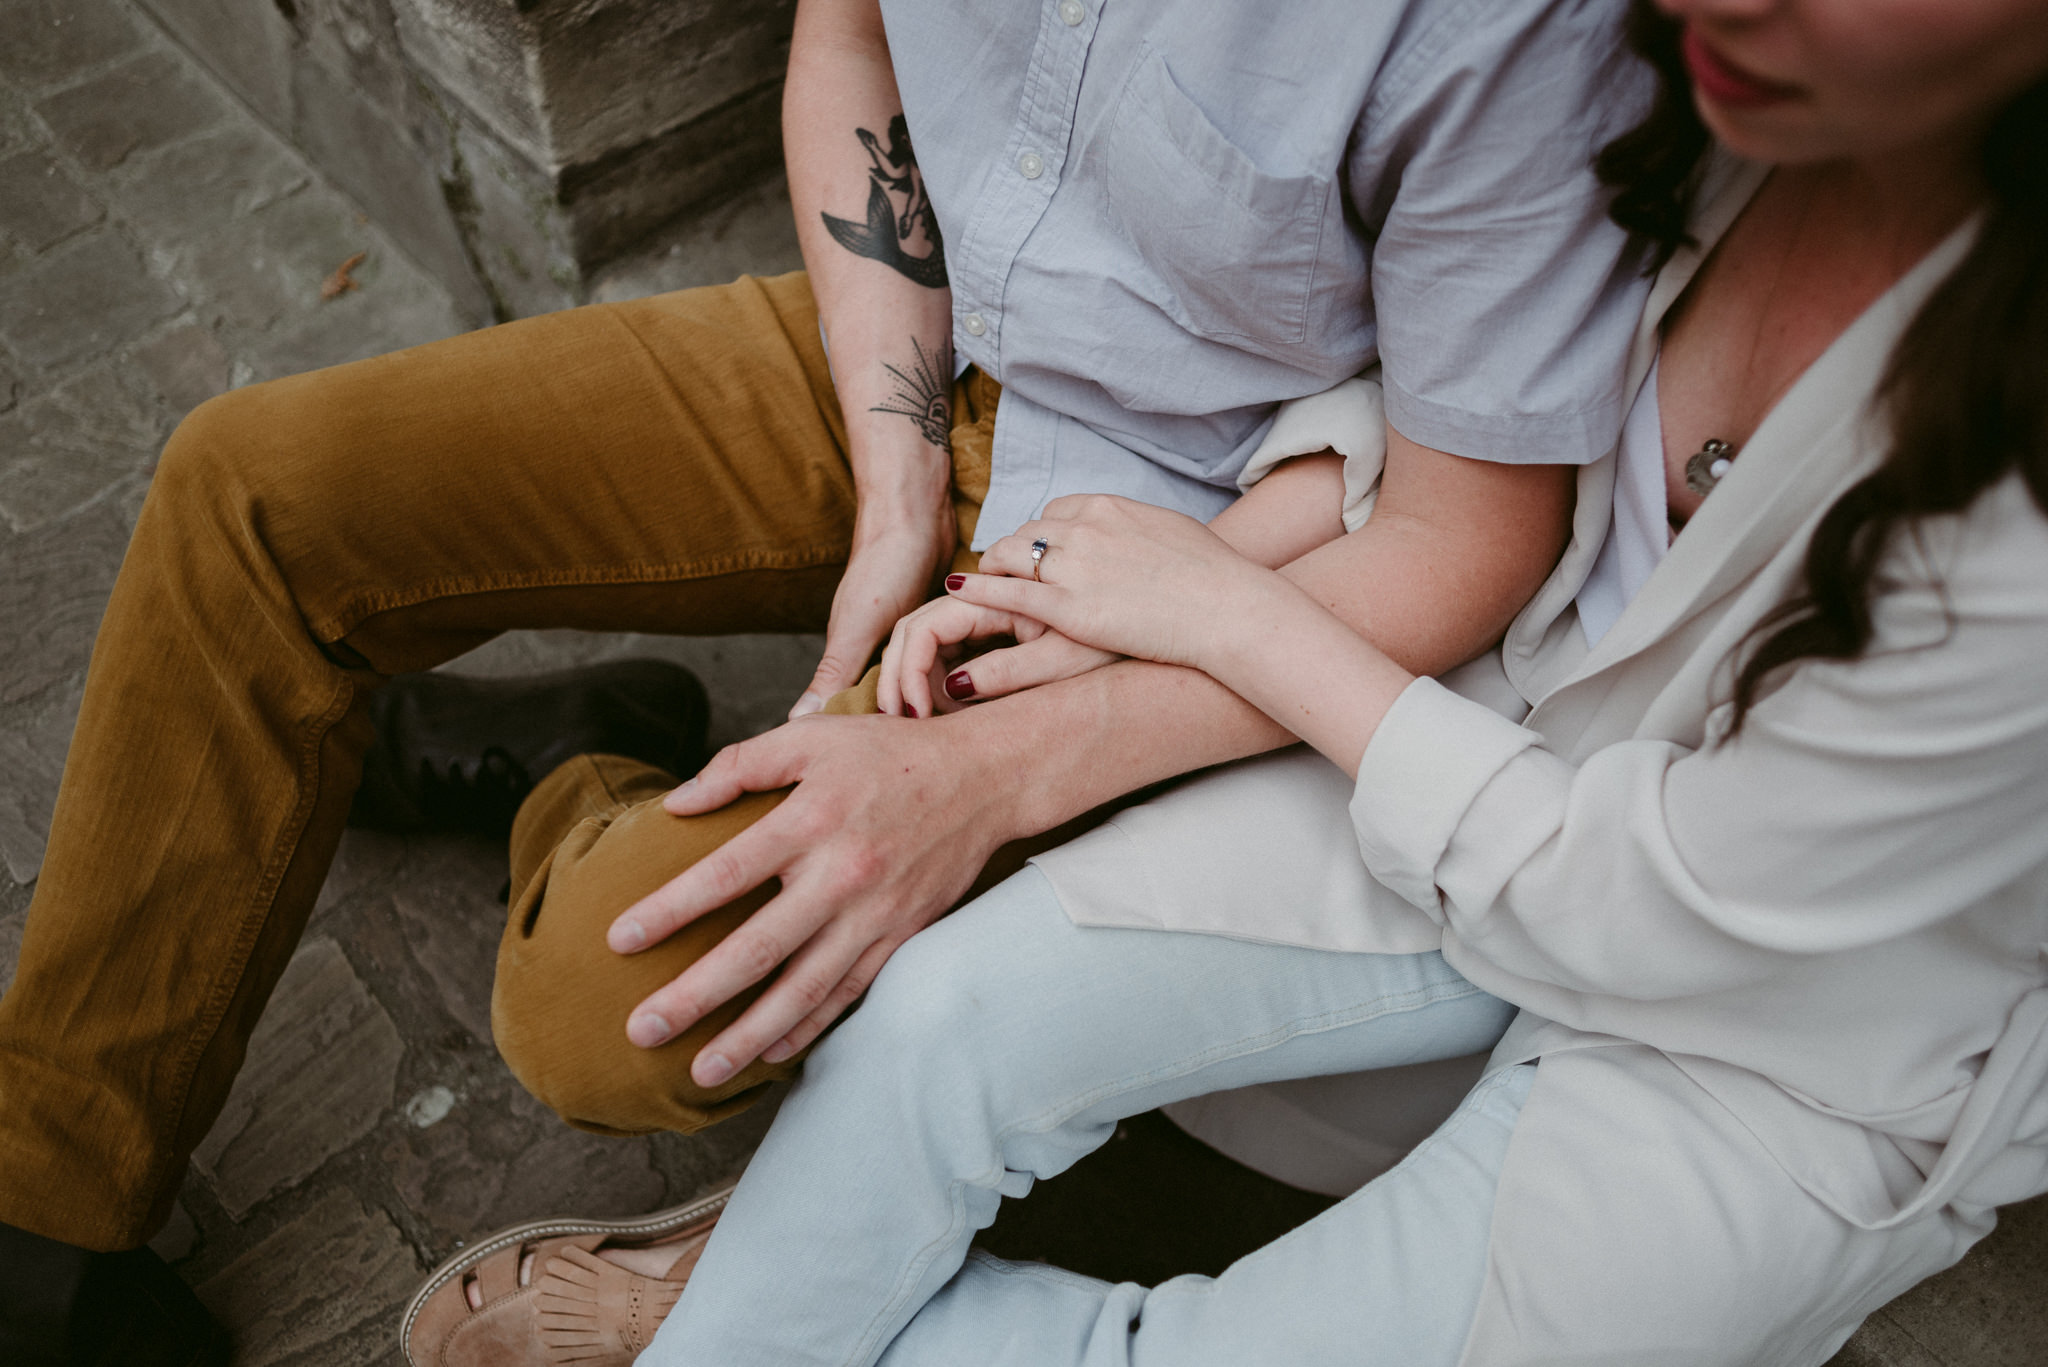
923	394
887	234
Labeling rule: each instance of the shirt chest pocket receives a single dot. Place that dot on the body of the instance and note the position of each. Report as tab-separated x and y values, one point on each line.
1228	249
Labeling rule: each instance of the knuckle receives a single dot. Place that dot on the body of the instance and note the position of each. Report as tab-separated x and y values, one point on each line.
678	1002
755	956
807	992
860	867
723	874
849	991
806	825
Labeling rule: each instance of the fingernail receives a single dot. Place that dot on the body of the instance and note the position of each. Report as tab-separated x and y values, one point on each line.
712	1069
627	936
777	1052
807	704
648	1029
911	710
955	582
959	686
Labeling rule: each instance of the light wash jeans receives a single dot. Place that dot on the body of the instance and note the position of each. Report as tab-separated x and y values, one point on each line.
1003	1044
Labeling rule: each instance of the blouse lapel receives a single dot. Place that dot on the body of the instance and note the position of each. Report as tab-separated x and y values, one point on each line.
1805	447
1726	187
1811	444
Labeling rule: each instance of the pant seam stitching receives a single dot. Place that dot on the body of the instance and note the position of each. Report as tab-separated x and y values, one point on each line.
1048	1119
355	611
263	903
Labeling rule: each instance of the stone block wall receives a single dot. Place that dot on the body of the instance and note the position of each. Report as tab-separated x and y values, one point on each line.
513	147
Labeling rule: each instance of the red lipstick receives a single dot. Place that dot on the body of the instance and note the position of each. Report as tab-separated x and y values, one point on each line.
1724	82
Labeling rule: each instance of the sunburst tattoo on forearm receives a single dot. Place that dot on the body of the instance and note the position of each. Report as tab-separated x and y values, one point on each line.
921	395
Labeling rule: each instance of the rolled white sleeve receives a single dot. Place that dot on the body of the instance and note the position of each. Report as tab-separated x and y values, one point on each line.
1862	802
1349	418
1433	754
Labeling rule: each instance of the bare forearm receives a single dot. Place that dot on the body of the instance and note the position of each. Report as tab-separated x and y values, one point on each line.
872	247
1452	552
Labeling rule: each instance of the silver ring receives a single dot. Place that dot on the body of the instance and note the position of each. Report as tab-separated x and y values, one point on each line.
1038	550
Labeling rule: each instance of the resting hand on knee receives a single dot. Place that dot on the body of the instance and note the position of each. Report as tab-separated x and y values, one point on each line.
887	826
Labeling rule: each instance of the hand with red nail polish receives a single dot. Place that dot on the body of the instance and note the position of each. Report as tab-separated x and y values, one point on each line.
921	668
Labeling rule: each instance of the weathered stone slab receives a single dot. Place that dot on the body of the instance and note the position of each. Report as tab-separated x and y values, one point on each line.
325	1289
82	299
10	386
1986	1311
395	306
269	265
178	196
510	205
682	62
501	1156
53	587
365	866
186	364
476	50
154	99
320	1074
511	147
72	446
448	908
249	46
39	204
17	129
44	42
615	201
753	233
398	163
1881	1343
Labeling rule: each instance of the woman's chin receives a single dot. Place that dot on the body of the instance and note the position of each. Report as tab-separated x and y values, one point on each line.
1781	134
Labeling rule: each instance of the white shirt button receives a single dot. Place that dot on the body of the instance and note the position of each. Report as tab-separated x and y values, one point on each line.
975	324
1031	166
1071	12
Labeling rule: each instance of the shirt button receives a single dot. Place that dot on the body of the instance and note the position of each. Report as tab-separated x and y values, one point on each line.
1031	166
975	324
1071	12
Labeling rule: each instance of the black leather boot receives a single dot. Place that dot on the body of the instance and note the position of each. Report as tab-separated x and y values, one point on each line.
61	1306
460	754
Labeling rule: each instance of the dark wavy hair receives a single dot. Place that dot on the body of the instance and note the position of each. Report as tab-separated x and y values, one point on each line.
1966	389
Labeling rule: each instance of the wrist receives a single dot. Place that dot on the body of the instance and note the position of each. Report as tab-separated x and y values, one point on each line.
897	474
1019	752
1249	614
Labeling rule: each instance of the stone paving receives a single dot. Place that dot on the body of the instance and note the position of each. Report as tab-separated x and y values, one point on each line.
157	246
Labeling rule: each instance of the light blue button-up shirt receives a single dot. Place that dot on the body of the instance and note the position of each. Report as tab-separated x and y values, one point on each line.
1163	217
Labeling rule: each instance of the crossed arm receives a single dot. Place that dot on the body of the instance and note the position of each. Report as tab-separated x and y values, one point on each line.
892	818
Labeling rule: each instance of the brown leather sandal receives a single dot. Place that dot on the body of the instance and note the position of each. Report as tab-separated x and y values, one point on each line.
544	1297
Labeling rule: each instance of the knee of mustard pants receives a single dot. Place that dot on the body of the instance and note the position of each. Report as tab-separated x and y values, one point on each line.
592	839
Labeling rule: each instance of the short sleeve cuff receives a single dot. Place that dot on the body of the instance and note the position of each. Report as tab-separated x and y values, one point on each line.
1504	438
1427	762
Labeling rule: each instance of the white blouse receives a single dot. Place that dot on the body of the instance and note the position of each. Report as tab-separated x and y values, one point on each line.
1640	533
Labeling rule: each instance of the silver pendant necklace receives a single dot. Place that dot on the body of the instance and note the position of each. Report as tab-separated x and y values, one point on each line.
1708	466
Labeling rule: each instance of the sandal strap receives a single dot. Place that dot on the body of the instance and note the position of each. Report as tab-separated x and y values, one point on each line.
594	1313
